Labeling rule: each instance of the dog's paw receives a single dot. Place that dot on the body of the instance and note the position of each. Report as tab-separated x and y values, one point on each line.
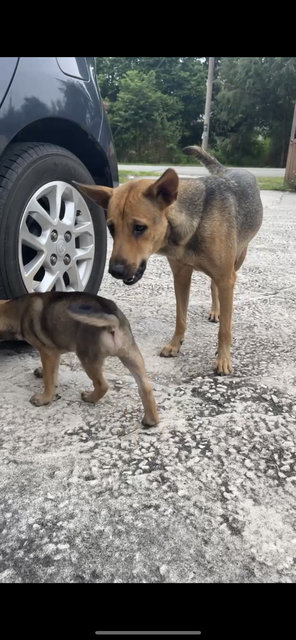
213	317
169	351
88	396
149	421
38	372
223	365
39	399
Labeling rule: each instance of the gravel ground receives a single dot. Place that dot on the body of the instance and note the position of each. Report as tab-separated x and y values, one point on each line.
87	495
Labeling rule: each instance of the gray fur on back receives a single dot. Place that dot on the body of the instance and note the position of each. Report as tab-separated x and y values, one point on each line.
237	186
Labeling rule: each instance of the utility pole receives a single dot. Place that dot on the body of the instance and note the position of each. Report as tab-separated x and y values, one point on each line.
205	135
290	173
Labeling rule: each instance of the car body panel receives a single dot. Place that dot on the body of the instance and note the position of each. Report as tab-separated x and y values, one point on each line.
41	93
7	69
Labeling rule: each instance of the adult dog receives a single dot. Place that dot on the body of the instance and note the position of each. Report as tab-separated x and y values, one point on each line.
204	224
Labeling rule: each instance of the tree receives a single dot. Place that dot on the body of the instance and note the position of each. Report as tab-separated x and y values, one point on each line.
181	79
254	105
185	79
251	115
110	71
145	122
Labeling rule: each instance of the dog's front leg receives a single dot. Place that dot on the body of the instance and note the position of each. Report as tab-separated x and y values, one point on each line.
182	279
50	364
225	288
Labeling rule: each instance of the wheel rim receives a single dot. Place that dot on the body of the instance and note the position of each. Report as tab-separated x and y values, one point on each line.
56	244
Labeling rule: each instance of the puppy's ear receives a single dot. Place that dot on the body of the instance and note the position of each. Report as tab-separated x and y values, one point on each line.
101	195
165	189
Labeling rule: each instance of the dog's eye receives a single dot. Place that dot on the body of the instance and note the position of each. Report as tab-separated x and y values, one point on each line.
138	229
111	229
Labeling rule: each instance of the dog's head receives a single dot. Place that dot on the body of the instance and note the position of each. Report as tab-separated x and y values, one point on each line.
136	218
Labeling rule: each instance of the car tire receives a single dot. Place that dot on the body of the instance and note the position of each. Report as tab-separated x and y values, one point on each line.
26	170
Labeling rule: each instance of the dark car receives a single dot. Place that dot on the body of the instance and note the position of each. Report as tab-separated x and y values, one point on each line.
53	129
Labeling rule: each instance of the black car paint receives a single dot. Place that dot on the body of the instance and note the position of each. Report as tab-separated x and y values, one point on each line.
41	101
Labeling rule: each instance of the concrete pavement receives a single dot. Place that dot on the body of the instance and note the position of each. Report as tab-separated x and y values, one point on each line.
209	495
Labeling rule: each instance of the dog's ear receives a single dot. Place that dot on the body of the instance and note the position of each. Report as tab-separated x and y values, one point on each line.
101	195
165	189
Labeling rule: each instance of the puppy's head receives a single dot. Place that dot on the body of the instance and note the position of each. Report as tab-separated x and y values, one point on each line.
136	218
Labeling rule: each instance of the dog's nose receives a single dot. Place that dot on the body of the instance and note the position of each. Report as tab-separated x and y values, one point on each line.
117	270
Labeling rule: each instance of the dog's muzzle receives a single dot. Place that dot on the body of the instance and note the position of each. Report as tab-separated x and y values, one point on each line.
138	275
121	271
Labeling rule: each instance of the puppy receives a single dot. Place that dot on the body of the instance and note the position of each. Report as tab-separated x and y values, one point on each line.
203	224
90	326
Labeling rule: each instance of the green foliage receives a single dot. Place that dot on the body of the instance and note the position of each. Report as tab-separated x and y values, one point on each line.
151	107
254	102
273	184
156	107
185	79
145	122
110	71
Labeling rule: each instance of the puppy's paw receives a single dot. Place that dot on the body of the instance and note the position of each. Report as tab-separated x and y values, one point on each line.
38	372
40	399
223	365
169	351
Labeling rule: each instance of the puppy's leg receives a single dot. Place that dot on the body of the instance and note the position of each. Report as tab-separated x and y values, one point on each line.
225	288
135	363
215	310
39	373
50	365
182	279
94	371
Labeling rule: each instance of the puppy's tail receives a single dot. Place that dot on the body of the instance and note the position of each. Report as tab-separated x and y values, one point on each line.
89	314
211	163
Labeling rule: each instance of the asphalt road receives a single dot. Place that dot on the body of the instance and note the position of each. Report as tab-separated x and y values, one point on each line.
209	495
194	172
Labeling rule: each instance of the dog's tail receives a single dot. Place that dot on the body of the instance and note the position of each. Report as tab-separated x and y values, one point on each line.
211	163
89	314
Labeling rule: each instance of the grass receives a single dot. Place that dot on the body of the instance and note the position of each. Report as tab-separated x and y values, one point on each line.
128	175
272	184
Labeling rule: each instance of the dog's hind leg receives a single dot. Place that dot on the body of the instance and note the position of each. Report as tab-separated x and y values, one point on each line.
135	363
215	310
50	365
182	279
95	373
239	260
225	287
223	295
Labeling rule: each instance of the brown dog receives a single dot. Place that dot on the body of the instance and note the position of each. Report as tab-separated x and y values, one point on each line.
203	224
91	326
